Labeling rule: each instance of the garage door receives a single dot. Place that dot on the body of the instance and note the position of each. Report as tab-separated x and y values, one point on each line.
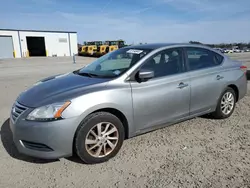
6	47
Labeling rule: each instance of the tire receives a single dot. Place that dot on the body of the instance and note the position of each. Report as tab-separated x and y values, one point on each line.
107	50
93	122
219	114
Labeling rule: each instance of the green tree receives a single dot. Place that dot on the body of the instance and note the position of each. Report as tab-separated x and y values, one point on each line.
194	42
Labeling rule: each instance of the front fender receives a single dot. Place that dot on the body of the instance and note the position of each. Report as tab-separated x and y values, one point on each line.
119	99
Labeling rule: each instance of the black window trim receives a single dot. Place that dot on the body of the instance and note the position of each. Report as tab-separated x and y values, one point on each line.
132	78
187	63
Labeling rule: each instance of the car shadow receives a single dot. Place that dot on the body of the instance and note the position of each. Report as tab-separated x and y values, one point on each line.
8	144
207	116
75	159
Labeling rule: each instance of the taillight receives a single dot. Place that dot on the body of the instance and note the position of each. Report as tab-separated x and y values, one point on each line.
243	68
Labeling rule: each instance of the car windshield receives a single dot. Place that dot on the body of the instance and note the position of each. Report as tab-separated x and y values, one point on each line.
114	63
90	43
99	43
113	43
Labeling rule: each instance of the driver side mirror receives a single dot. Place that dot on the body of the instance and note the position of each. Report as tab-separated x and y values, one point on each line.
145	75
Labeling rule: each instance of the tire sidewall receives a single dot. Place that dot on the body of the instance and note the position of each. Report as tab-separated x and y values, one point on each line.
85	127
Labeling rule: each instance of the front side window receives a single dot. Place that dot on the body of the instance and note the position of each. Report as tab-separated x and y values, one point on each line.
114	63
199	58
165	63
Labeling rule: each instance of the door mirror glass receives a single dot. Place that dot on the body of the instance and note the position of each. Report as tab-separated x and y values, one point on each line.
145	75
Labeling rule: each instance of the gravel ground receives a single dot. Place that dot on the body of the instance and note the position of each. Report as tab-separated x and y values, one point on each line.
245	57
196	153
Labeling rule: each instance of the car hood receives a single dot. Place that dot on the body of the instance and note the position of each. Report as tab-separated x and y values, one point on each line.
58	88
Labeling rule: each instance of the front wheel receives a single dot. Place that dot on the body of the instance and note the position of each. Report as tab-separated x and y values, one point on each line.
226	104
99	138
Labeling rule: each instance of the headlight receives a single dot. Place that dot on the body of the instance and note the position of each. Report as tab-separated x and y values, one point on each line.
48	112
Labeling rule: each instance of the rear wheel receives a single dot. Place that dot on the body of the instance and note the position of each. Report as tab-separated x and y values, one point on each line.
99	138
226	104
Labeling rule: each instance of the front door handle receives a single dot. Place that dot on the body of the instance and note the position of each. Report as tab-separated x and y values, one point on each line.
182	85
219	77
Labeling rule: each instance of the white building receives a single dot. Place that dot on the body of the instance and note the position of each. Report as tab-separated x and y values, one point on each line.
29	43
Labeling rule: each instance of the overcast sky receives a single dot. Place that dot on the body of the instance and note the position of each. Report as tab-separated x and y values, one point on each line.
208	21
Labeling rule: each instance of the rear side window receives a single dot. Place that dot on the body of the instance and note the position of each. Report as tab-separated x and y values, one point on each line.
199	58
219	58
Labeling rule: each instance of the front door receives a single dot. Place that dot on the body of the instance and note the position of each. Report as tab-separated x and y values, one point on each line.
166	97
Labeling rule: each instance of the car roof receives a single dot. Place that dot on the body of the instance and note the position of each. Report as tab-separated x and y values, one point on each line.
154	46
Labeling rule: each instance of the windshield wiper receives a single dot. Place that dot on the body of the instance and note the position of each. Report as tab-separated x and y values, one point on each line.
91	75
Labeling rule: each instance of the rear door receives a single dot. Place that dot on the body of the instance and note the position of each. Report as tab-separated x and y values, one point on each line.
206	78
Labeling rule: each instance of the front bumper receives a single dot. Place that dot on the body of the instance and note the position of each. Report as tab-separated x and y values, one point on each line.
83	53
47	140
99	53
90	53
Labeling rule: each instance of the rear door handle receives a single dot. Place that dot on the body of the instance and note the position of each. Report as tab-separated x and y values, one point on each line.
182	85
219	77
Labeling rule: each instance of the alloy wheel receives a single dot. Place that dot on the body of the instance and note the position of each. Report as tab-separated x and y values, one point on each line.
101	139
227	103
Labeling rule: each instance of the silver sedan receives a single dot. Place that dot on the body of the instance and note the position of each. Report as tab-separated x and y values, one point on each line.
125	93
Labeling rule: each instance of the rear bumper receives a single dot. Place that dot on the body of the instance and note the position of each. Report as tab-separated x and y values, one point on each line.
47	140
242	85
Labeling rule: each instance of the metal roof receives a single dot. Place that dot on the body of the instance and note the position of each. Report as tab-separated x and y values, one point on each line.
47	31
